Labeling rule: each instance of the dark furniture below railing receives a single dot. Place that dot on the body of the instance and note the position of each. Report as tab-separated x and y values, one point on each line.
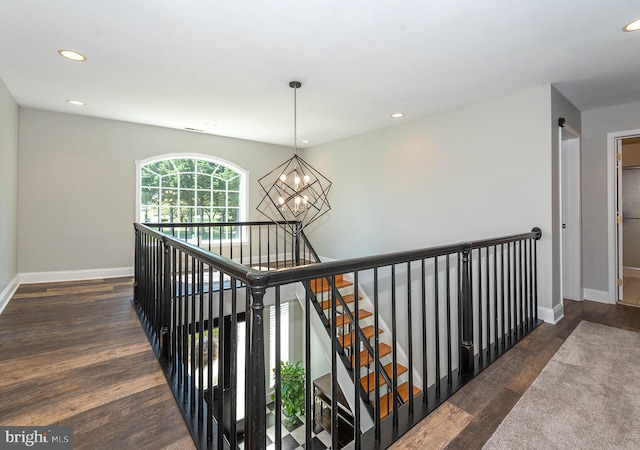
322	403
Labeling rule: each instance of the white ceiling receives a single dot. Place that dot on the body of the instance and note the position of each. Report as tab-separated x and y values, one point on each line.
182	63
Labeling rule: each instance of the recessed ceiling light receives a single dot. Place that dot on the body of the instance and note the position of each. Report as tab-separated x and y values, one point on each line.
76	102
396	115
305	141
70	54
634	25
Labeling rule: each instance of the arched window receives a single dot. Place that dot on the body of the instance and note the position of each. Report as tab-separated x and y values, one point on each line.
190	189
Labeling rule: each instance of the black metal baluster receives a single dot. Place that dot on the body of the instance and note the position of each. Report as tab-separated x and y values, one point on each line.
222	354
174	307
531	312
480	309
269	248
487	272
334	366
251	242
356	364
504	279
448	297
192	336
233	358
517	267
410	338
200	327
523	287
425	349
376	357
241	229
260	246
309	409
394	345
436	294
509	296
210	329
278	374
277	253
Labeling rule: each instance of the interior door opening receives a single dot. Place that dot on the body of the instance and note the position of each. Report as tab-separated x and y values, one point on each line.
628	220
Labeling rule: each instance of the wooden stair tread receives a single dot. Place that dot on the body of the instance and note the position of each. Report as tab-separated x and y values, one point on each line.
349	298
323	285
366	358
343	319
369	381
347	339
387	399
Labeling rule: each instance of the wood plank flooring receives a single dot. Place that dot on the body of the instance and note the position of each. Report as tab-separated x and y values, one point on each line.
469	417
74	354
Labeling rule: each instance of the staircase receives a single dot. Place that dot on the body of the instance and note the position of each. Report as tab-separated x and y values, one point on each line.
347	331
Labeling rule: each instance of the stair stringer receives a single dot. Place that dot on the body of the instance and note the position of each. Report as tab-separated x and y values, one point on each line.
344	379
385	336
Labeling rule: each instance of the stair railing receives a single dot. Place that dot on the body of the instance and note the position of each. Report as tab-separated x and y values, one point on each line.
181	290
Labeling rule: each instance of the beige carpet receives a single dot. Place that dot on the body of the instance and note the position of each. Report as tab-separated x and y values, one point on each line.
587	396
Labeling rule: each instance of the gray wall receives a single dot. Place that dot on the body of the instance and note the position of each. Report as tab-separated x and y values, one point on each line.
560	107
480	171
595	125
77	184
8	188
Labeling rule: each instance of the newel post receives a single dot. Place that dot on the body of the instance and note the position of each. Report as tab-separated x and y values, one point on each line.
466	349
165	301
256	399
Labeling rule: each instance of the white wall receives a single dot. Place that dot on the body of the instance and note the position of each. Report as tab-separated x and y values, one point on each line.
480	171
8	194
77	184
595	126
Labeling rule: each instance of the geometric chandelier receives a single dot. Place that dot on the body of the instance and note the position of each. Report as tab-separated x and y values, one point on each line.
294	191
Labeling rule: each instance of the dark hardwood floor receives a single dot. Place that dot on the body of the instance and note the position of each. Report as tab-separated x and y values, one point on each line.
469	418
74	354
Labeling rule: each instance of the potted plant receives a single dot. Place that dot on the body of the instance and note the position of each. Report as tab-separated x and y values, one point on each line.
292	387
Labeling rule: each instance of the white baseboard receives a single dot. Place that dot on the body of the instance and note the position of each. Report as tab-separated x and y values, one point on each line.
8	292
551	315
633	272
75	275
598	296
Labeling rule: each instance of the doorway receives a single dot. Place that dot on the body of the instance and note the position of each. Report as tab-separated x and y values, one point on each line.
628	220
571	214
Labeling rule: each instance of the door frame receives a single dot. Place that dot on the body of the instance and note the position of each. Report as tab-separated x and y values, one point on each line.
614	252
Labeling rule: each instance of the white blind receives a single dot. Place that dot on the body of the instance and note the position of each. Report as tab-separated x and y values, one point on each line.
284	338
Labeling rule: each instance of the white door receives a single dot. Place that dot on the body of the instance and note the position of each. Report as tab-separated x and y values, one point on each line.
570	206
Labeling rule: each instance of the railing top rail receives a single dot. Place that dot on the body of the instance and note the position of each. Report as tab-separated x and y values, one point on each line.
256	278
210	224
241	272
300	273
